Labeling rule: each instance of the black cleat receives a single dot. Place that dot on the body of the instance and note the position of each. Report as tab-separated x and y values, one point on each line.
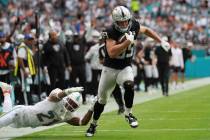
131	120
91	130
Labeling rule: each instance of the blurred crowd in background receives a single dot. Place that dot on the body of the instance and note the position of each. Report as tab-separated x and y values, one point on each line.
67	29
181	19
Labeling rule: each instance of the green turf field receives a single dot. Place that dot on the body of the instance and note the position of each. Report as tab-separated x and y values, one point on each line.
184	116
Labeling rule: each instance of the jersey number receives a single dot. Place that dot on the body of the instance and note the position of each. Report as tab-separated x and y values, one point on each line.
127	53
50	115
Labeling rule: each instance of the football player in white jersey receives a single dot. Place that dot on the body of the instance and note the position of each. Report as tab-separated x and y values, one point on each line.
58	107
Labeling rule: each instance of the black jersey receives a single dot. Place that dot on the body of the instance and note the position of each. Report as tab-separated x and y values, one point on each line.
163	57
125	58
101	52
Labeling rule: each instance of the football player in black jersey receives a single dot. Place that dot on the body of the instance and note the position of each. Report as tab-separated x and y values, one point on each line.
117	63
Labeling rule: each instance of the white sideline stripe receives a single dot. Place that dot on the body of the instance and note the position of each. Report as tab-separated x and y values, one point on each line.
8	132
134	130
161	129
175	119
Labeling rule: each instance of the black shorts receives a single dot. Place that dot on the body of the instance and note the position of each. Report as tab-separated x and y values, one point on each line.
182	70
176	69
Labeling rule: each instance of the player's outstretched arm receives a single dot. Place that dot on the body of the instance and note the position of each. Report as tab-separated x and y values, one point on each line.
149	32
57	94
77	121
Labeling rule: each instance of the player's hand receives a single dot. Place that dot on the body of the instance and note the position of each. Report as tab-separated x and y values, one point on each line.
73	89
129	37
165	45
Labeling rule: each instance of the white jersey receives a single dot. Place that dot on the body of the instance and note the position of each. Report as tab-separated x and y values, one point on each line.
43	113
177	57
93	56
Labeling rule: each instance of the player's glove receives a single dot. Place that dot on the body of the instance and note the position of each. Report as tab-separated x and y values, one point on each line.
165	45
73	89
129	36
6	88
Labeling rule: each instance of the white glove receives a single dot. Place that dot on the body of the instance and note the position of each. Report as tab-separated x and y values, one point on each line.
5	86
73	89
129	37
165	45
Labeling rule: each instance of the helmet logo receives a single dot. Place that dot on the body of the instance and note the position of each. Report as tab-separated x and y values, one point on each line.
78	97
123	15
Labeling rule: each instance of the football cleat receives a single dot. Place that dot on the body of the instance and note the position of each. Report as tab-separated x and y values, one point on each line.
91	130
131	120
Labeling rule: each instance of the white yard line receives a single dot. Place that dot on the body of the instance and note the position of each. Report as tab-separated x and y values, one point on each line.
8	132
80	132
142	130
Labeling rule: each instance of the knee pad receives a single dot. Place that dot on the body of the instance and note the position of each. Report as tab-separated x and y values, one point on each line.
128	85
129	93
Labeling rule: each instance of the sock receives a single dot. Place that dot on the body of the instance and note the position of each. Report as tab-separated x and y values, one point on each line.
127	111
7	104
98	109
94	122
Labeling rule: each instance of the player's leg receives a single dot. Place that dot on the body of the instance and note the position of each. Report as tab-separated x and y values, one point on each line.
166	75
6	119
10	117
155	75
126	79
118	98
182	71
148	76
106	86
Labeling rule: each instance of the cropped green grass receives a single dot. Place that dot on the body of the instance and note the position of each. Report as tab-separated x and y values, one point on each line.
184	116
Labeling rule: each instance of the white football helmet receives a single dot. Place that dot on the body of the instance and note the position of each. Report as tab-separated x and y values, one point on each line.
121	13
73	101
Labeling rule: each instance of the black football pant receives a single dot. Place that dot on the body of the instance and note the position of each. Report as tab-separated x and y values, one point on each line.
163	70
78	71
57	78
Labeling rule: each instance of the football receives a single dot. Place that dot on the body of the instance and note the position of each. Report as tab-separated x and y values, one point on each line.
122	39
